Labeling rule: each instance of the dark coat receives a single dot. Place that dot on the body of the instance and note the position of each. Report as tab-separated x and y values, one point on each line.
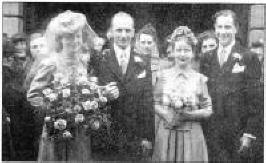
231	101
132	111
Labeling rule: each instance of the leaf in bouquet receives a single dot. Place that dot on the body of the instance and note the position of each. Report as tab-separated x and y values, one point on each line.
67	104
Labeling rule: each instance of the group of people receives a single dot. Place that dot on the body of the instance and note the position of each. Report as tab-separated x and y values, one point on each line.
204	102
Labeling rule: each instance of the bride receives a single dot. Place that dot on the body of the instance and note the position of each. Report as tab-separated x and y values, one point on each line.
68	37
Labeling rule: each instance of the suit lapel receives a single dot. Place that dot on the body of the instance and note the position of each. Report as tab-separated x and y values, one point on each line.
130	67
228	65
113	65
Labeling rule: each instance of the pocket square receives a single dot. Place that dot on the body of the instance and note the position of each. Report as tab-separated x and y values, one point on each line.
142	74
237	68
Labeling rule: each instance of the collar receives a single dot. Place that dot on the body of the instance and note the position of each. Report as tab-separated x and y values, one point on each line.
227	48
187	73
118	50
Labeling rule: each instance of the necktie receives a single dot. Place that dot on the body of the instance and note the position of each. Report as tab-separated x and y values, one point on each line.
222	56
123	63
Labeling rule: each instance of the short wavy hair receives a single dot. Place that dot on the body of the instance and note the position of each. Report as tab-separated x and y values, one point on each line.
226	13
183	33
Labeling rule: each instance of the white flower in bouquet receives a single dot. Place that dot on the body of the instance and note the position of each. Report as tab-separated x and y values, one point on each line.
67	134
47	91
177	103
79	118
47	119
86	105
66	93
82	80
103	99
65	82
94	105
52	97
77	108
60	124
85	91
166	100
95	124
68	110
93	87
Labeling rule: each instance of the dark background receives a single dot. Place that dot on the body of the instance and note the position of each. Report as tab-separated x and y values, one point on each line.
164	16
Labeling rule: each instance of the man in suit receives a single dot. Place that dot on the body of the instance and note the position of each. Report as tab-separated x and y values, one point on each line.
132	113
232	70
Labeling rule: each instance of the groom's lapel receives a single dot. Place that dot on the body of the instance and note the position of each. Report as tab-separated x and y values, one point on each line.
113	64
130	67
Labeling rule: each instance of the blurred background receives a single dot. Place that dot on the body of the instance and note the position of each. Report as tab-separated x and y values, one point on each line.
29	17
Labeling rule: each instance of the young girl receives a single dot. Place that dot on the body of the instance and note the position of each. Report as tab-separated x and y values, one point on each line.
181	102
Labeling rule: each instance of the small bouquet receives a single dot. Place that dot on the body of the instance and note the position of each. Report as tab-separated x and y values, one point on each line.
74	102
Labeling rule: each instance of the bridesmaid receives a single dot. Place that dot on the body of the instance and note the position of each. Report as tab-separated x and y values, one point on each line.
181	102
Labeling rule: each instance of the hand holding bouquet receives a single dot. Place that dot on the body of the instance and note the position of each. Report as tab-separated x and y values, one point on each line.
73	103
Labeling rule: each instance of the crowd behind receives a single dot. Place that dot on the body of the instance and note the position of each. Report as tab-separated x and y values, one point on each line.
22	122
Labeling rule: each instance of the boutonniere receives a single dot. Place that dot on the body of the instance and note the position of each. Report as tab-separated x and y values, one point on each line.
142	74
238	57
238	66
138	59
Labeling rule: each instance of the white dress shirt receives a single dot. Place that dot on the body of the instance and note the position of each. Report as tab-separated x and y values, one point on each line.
120	52
225	51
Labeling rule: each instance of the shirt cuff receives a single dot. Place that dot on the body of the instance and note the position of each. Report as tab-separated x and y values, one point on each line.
249	136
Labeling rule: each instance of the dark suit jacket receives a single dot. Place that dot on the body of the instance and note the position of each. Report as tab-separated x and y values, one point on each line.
230	92
133	109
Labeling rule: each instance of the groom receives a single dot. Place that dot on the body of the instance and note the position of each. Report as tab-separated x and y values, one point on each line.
132	113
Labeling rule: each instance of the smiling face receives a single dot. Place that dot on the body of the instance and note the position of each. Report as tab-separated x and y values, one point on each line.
225	29
122	31
183	53
72	42
146	43
208	45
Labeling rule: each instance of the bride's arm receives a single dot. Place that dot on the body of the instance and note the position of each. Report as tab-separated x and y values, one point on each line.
41	81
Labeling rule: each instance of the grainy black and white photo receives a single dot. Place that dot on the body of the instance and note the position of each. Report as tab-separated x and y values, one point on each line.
133	81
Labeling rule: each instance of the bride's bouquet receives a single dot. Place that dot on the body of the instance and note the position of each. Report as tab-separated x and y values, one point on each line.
72	103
